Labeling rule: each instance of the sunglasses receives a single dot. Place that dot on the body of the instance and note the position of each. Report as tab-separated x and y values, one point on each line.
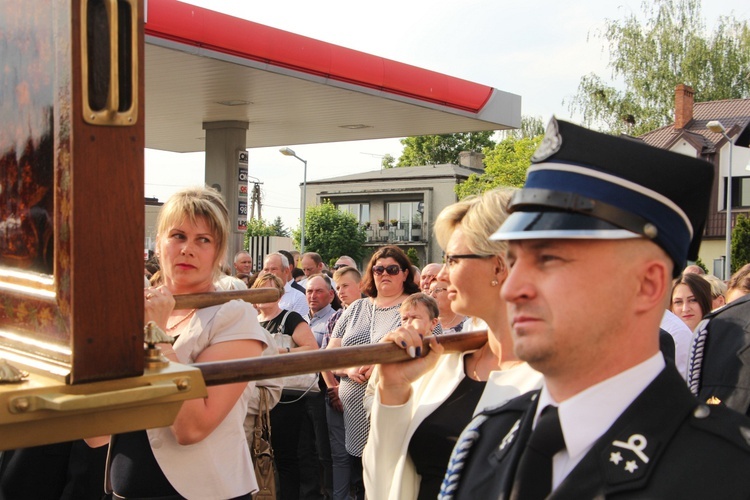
339	266
393	270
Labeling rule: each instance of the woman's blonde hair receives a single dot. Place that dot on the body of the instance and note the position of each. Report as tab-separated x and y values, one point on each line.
193	203
479	216
262	280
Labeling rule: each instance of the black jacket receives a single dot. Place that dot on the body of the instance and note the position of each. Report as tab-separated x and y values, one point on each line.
725	374
693	450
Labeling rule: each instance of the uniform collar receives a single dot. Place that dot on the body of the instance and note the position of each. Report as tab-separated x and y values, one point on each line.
585	417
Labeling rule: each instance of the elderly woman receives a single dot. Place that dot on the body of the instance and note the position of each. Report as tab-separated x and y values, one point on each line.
387	282
450	321
288	415
691	299
421	406
718	291
203	454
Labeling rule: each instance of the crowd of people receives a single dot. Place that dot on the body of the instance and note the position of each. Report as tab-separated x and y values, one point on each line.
611	368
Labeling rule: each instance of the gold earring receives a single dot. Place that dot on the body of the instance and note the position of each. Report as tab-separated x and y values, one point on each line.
494	282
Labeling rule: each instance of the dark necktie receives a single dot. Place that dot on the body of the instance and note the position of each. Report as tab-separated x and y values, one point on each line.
534	476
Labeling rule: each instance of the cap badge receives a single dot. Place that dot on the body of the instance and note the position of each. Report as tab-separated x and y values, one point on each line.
550	144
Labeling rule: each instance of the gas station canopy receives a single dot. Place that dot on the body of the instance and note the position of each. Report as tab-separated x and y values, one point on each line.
203	66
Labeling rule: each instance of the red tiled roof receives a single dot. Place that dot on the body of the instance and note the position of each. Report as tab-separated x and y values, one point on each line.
729	112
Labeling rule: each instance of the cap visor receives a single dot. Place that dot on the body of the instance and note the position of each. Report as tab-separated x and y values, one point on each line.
558	225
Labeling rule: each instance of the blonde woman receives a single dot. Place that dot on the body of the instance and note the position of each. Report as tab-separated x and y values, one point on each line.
203	454
421	406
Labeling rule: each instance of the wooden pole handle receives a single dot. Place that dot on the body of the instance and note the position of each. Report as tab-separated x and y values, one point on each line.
208	299
245	370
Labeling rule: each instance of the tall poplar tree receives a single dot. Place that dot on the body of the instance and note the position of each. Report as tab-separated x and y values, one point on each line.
650	57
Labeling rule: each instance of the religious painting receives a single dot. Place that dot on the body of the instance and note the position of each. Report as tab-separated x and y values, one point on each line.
27	136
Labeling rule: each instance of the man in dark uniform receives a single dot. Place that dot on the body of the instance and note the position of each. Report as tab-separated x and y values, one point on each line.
719	370
596	235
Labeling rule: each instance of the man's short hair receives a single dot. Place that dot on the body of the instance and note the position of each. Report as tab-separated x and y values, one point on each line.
324	277
240	253
349	261
314	256
352	271
281	256
287	256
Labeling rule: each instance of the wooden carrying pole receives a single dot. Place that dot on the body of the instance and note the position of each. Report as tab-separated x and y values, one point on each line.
245	370
208	299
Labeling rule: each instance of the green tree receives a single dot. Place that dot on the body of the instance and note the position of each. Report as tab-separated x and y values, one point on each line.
531	126
441	149
505	165
411	252
257	227
279	228
740	242
332	233
652	57
388	161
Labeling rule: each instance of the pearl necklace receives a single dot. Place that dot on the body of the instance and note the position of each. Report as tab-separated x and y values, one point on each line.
182	320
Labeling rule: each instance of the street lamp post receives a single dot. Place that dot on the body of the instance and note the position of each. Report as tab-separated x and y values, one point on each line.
289	152
716	126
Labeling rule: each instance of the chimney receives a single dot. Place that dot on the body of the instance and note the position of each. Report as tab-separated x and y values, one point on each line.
471	159
683	105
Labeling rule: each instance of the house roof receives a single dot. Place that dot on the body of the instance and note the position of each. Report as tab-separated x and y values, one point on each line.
730	112
447	171
202	66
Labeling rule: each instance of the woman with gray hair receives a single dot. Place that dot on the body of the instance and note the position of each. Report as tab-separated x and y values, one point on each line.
418	405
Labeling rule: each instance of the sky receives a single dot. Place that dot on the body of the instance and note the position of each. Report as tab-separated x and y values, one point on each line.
538	50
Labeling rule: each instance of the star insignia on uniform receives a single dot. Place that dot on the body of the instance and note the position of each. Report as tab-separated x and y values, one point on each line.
615	457
631	466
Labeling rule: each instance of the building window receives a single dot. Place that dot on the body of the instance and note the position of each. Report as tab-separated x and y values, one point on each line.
360	210
408	217
740	192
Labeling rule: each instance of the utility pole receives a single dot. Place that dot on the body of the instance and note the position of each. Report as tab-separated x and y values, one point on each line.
255	200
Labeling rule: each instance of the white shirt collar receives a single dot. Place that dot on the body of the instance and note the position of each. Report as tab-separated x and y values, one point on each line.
585	417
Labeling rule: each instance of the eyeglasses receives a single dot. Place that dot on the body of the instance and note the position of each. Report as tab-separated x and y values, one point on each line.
452	259
393	270
436	291
339	266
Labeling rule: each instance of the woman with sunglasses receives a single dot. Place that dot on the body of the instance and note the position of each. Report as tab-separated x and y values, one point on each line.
421	406
388	280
